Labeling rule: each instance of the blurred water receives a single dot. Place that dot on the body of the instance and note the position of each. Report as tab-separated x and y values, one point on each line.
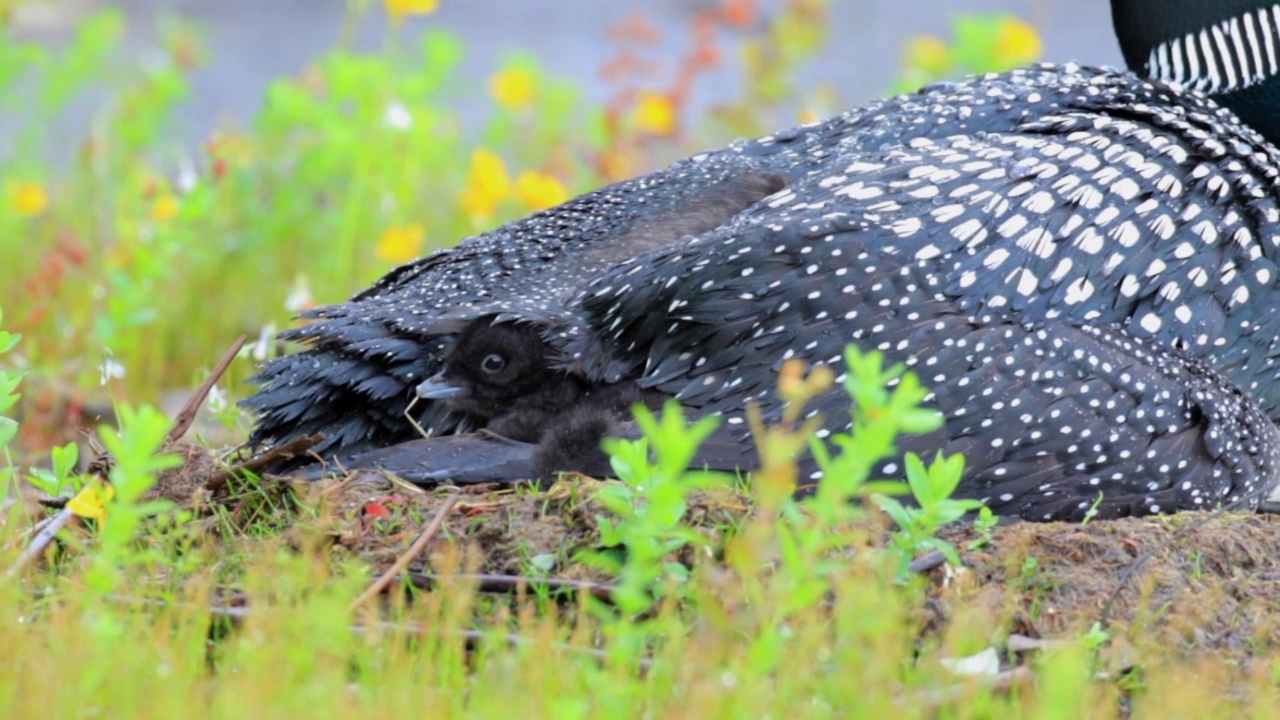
253	41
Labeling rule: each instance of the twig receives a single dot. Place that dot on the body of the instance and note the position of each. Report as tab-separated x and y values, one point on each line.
40	542
402	563
187	415
512	583
34	529
293	448
927	562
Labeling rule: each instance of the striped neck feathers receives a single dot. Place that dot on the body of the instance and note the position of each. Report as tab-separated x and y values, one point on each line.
1228	49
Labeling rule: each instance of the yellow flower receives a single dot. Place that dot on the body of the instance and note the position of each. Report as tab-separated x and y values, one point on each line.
514	88
400	244
28	198
539	190
807	115
400	9
1017	43
164	208
487	184
655	113
928	53
91	501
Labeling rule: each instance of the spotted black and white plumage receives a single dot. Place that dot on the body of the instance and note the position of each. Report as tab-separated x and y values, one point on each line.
1052	414
1079	262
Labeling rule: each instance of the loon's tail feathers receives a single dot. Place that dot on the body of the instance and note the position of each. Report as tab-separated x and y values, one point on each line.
353	391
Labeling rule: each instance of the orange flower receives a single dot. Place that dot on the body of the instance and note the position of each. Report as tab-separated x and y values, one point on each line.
28	198
655	113
400	9
487	184
400	244
514	88
539	190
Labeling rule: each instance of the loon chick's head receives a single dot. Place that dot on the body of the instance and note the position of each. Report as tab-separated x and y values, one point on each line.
1228	49
490	366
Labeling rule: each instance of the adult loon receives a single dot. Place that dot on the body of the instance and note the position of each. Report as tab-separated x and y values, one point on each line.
1080	262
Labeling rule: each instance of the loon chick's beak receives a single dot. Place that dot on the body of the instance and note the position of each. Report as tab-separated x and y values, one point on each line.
437	388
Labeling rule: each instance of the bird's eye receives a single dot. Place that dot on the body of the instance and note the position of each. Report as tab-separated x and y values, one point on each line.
493	363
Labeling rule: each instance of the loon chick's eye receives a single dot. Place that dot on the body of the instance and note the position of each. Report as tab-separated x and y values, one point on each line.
493	363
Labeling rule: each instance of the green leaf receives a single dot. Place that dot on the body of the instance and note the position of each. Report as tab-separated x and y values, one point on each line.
895	510
8	341
921	420
9	382
64	460
8	429
919	480
43	480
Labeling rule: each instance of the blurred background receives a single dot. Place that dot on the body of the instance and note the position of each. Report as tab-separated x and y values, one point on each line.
251	42
176	174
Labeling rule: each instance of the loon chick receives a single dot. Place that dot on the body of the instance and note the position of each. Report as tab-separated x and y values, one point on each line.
503	376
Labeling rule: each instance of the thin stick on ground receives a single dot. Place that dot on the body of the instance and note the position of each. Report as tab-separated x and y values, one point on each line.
402	563
187	415
291	449
40	542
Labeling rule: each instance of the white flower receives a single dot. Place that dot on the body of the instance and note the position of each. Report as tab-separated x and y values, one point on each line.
398	116
109	370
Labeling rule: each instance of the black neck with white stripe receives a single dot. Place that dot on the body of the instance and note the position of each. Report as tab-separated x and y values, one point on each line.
1229	49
